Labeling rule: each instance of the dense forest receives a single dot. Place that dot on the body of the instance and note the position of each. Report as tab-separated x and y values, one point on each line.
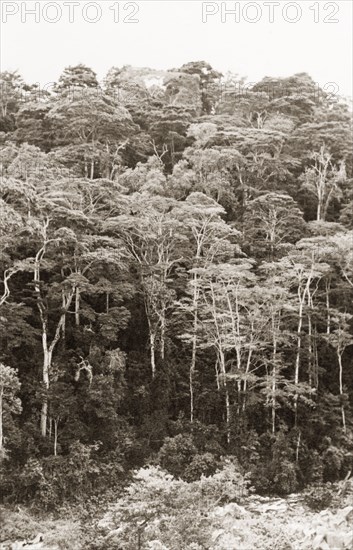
177	280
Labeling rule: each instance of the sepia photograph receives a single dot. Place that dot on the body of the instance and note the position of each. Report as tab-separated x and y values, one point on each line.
176	275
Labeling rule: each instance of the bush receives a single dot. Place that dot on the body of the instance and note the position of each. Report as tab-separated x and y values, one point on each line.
51	481
162	511
320	496
285	480
310	466
23	525
333	459
277	474
176	454
201	465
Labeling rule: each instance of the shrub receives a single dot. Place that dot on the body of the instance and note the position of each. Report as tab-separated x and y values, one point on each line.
310	466
23	525
333	459
277	474
228	484
285	480
158	509
320	496
17	525
176	454
201	465
51	481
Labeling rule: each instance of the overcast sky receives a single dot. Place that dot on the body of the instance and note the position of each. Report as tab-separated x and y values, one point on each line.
170	33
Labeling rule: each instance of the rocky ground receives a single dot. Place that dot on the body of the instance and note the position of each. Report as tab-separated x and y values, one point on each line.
283	524
260	523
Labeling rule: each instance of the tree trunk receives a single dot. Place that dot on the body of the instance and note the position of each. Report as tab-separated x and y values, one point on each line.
310	351
298	447
191	377
222	365
194	346
274	374
274	399
64	323
318	212
247	370
56	423
46	368
77	306
1	429
47	350
47	359
339	355
328	323
316	359
217	375
297	359
301	294
228	413
163	322
153	353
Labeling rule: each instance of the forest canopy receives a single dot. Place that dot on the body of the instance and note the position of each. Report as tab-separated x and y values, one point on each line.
177	279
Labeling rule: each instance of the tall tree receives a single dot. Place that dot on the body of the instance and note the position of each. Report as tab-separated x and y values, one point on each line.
323	179
340	339
212	241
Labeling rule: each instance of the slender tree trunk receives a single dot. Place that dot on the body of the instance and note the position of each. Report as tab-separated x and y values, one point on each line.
47	360
297	359
310	351
316	359
217	375
47	349
339	356
7	276
45	377
153	353
328	323
163	323
311	339
63	300
228	413
222	365
298	447
274	398
320	197
247	370
235	320
318	211
194	347
77	306
274	373
1	423
56	423
191	377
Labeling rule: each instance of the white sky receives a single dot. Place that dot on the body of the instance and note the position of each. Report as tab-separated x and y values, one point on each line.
169	33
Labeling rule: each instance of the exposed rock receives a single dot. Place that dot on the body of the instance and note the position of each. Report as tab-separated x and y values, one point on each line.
232	509
282	524
36	544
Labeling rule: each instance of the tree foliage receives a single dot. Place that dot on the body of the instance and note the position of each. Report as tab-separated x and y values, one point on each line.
177	279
